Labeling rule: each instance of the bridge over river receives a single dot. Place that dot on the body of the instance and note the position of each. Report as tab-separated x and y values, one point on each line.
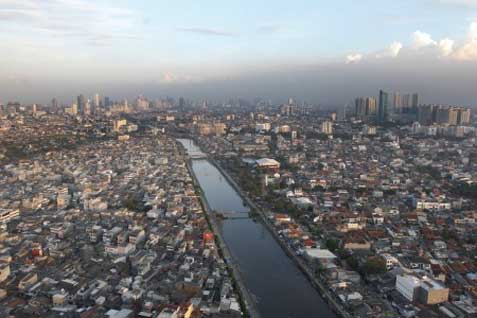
231	215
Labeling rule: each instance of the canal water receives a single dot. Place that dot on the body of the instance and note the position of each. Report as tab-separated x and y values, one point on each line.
273	279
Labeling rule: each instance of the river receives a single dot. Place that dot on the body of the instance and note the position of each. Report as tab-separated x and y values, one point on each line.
279	287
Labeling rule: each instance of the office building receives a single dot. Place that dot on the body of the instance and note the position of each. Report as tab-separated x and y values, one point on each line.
365	107
327	127
96	103
406	101
107	102
74	109
142	103
432	292
54	104
359	107
370	106
87	108
427	114
445	115
415	100
81	103
397	102
463	116
383	109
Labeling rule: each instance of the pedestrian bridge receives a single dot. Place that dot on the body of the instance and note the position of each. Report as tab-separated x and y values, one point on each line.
231	215
197	155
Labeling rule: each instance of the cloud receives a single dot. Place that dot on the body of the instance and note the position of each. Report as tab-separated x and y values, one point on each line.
423	46
468	50
391	51
394	49
206	31
422	39
168	78
353	58
65	18
446	46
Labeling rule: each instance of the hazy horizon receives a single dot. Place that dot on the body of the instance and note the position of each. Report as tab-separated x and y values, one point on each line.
318	52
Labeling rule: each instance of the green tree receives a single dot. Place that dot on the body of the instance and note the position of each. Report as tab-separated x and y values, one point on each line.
374	265
332	244
352	262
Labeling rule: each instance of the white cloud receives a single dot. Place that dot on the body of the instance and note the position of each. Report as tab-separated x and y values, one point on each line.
391	51
394	49
68	18
422	39
468	50
353	58
424	46
168	77
446	46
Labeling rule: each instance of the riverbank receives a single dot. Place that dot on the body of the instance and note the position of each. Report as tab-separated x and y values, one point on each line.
246	300
277	286
317	284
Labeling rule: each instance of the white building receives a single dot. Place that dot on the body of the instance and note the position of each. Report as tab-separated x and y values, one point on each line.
8	214
391	261
407	286
327	127
424	290
262	127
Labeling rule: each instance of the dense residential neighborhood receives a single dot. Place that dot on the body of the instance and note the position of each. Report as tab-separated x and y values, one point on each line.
102	215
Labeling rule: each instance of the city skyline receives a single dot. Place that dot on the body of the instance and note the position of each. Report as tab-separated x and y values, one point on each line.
239	49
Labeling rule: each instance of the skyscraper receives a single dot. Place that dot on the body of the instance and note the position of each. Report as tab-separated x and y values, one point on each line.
405	102
360	107
96	103
54	104
370	106
464	116
327	127
415	100
87	108
81	103
74	109
383	107
106	101
365	107
397	102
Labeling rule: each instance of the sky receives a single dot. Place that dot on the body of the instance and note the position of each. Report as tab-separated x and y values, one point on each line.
325	52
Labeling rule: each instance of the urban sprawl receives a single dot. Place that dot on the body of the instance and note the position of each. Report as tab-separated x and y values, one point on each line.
101	214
